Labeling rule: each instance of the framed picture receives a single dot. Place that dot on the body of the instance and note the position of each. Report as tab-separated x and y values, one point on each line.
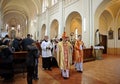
110	34
118	33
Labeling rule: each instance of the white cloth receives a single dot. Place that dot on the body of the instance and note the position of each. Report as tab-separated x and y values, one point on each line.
65	73
79	66
81	47
99	47
46	52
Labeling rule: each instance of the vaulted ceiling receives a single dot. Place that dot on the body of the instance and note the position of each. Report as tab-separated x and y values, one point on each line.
19	12
110	17
114	7
25	8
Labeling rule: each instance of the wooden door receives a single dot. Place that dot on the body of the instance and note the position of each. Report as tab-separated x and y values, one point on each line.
103	42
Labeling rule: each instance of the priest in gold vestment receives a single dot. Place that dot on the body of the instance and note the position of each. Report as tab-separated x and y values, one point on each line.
64	56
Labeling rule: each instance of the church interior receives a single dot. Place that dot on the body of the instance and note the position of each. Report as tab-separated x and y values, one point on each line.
75	17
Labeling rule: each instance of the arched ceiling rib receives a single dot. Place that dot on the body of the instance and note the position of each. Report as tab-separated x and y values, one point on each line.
29	7
113	7
16	9
16	15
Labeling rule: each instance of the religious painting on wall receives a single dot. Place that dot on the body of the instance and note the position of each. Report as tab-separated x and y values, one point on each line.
118	33
110	34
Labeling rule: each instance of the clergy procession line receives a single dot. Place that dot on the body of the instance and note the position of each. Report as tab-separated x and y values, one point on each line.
62	52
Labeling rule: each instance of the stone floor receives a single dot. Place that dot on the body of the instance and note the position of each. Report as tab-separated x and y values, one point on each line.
106	71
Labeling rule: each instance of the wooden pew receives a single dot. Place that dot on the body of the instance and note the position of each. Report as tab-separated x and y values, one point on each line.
20	55
88	54
18	64
19	61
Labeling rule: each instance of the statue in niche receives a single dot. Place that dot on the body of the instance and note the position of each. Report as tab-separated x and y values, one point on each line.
13	33
97	38
118	33
110	34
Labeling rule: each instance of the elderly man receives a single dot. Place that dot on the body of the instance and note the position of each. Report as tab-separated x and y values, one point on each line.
64	55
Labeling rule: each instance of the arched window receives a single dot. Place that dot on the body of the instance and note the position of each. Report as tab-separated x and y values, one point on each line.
76	33
44	5
54	2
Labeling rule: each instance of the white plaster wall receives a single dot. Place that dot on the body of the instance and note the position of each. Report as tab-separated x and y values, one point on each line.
86	8
62	10
111	43
42	22
0	23
98	6
56	13
95	5
33	29
80	6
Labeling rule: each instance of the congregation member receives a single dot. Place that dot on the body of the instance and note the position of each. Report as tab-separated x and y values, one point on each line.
46	47
32	63
16	44
64	55
27	41
32	67
5	39
6	55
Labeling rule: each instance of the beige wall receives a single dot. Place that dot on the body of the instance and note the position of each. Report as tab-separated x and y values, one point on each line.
113	51
92	15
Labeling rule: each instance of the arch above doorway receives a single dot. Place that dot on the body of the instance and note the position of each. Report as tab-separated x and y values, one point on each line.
73	22
106	19
43	30
54	29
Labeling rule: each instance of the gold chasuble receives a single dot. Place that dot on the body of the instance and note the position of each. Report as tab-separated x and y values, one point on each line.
78	51
64	55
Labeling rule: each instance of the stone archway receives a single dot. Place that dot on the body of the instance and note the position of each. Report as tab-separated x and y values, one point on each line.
43	30
54	29
105	22
106	19
74	24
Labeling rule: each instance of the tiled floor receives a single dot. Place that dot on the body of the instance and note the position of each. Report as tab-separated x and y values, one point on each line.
106	71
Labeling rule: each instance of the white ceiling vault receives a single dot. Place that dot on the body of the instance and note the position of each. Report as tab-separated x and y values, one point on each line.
28	8
18	12
114	7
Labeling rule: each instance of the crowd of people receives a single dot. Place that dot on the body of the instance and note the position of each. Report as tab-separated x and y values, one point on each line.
64	52
58	52
8	47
